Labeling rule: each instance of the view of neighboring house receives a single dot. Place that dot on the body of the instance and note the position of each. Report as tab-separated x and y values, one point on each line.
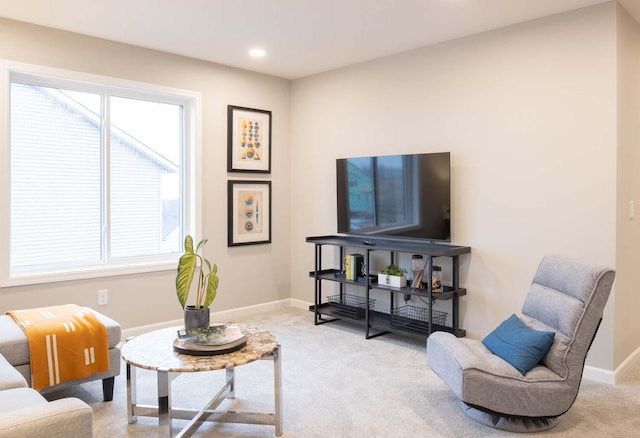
141	222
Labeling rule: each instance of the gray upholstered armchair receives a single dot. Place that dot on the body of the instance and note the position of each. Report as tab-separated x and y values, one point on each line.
566	297
25	413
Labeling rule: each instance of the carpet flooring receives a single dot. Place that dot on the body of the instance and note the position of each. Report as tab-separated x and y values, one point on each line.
338	384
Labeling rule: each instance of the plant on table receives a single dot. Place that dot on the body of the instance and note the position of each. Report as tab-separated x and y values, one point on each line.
191	263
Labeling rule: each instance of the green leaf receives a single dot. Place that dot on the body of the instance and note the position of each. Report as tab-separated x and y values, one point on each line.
188	244
186	269
393	270
212	287
201	244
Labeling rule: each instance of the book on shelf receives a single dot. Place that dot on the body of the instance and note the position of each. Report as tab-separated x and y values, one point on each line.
353	266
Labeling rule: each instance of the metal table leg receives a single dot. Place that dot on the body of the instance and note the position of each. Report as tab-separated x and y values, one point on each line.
132	398
277	381
164	402
231	379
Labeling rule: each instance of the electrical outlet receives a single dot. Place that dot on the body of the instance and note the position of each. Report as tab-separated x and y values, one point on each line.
103	297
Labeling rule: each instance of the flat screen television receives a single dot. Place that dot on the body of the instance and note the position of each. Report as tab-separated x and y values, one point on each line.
400	196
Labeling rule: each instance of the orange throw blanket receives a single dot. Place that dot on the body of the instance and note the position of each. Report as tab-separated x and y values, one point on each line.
65	343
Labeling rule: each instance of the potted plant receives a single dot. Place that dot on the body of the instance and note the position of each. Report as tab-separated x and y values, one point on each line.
190	264
392	275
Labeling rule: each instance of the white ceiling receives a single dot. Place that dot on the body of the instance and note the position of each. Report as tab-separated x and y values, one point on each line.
301	37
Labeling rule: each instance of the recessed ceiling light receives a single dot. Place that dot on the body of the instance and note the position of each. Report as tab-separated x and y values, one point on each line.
257	53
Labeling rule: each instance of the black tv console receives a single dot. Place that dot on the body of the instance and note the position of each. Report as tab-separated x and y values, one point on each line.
418	322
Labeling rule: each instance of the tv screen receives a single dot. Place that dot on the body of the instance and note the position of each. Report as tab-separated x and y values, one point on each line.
395	196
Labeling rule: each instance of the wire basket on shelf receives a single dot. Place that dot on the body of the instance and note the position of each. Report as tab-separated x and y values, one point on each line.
349	306
417	317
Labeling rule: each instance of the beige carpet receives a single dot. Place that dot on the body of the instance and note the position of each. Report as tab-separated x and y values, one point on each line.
337	384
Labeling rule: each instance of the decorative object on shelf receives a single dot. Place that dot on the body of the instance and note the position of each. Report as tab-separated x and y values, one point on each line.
436	279
249	209
248	140
209	341
417	270
392	275
190	263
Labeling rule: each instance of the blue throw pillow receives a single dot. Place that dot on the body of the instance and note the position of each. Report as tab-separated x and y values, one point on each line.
518	344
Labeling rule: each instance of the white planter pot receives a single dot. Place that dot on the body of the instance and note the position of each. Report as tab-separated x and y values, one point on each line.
392	280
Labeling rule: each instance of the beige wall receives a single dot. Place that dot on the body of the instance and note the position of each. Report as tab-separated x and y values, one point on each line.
627	323
249	275
529	115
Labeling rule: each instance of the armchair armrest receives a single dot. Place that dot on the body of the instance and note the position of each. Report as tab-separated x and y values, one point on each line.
9	376
69	417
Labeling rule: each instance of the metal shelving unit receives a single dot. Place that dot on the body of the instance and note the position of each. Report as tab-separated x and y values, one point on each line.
405	320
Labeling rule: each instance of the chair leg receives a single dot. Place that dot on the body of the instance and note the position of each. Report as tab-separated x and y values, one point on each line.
107	388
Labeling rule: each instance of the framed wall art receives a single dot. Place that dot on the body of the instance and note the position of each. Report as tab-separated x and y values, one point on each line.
249	207
248	140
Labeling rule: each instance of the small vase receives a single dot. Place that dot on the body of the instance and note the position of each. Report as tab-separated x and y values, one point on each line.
195	318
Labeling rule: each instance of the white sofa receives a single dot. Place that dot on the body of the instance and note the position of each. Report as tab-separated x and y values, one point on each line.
26	413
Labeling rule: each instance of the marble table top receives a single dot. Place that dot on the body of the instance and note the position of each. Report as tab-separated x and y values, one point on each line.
154	350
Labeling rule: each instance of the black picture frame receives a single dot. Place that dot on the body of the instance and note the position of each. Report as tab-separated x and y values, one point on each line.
248	140
249	212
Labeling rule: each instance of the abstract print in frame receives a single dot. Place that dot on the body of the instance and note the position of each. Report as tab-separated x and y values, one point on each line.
248	140
249	207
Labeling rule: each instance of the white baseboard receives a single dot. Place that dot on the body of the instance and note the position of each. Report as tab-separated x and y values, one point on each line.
230	315
631	363
599	375
225	315
304	305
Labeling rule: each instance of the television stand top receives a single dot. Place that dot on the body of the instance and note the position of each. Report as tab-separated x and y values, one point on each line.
390	244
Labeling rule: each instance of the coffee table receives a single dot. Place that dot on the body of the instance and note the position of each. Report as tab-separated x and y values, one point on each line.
154	351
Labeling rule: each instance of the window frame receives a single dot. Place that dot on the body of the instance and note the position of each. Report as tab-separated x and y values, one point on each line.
190	171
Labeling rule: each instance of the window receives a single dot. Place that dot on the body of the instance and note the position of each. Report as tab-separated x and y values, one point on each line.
99	177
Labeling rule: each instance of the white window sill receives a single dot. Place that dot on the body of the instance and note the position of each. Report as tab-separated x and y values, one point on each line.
89	273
